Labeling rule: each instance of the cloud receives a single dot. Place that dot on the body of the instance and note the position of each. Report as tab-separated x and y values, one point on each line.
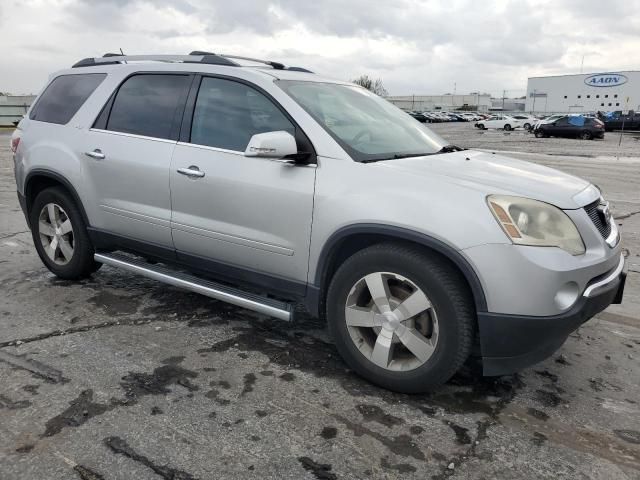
415	46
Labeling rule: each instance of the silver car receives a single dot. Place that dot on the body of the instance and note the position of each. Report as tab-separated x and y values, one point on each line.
267	178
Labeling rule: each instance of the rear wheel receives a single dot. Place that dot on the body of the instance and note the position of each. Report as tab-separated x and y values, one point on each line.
481	126
527	126
539	134
507	127
586	135
400	318
60	235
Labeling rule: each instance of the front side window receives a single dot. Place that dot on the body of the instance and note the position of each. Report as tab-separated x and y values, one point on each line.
148	105
228	113
64	96
368	127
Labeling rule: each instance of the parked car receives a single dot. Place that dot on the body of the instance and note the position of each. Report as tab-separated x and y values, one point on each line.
546	119
527	121
586	128
505	122
629	121
418	116
272	187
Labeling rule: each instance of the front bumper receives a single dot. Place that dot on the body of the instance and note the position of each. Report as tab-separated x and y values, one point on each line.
23	205
510	343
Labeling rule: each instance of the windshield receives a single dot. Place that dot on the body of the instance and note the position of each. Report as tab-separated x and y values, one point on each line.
368	127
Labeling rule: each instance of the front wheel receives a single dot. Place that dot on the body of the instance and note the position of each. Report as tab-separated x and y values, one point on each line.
527	126
60	235
539	134
401	318
480	126
507	127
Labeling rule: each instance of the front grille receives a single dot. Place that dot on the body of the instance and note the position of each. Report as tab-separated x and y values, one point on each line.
598	218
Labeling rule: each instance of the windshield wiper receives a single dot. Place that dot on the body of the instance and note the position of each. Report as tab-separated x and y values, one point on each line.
450	149
397	156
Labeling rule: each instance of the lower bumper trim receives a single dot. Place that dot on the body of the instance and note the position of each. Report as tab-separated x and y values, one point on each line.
510	343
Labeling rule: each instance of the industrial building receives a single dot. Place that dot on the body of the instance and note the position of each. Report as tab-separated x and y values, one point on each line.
590	92
13	107
477	102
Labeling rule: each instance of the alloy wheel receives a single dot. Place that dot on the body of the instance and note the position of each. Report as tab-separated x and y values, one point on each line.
56	233
391	321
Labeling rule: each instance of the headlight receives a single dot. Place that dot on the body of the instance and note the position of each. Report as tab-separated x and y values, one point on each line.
530	222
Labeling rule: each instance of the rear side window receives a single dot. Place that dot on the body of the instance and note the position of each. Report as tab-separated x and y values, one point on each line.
227	114
64	96
149	105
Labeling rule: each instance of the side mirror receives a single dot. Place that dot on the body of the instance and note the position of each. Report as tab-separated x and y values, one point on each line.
278	144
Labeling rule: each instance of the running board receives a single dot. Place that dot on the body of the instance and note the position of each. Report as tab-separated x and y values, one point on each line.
250	301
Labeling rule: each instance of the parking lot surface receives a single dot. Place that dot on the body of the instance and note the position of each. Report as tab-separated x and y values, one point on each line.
119	377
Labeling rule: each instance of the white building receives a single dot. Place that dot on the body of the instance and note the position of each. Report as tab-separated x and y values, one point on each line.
480	102
13	107
590	92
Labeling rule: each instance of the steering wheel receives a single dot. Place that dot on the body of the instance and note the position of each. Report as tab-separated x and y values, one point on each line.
361	134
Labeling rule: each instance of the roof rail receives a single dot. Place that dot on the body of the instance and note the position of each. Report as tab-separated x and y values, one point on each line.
111	59
196	56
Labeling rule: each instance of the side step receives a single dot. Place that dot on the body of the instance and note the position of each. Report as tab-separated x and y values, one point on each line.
250	301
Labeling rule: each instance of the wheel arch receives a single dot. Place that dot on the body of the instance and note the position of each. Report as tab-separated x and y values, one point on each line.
348	240
39	179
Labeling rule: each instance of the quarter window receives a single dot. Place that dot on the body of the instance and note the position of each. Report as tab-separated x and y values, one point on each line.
149	105
227	114
64	96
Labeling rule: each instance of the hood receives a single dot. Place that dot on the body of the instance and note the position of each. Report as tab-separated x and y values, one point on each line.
502	175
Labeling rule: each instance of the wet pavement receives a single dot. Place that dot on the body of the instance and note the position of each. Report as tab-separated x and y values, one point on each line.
119	377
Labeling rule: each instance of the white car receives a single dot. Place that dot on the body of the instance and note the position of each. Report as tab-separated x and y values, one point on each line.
505	122
527	121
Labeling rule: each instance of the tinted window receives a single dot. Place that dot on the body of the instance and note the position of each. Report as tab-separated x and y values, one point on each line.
148	104
64	96
227	114
562	122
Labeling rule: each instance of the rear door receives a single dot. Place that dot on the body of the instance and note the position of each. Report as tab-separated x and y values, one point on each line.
240	215
128	156
562	128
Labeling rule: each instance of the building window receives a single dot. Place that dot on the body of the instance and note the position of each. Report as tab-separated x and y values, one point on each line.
617	104
606	96
565	96
579	96
609	104
597	96
615	96
602	104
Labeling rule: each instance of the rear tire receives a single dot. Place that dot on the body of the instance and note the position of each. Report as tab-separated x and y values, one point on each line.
539	134
507	128
586	135
441	333
527	126
60	235
480	126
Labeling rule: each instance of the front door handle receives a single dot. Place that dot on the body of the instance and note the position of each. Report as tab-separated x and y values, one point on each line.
192	171
96	154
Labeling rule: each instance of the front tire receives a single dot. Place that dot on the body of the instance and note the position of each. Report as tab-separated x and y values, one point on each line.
539	134
60	235
507	128
401	318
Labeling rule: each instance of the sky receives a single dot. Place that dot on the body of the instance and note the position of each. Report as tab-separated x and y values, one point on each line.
414	46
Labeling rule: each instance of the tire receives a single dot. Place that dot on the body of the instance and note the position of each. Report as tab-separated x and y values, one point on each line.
447	325
507	128
481	126
586	135
75	259
539	134
527	126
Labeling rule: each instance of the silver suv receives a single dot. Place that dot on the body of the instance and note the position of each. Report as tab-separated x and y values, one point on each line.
254	177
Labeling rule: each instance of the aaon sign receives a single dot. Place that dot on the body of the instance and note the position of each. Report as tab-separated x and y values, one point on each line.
606	80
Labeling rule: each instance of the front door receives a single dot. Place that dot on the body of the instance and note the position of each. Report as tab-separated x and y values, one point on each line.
239	215
128	158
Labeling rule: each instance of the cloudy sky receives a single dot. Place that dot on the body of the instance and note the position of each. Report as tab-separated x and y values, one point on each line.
415	46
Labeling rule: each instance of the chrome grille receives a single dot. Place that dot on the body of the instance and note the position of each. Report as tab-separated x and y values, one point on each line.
599	218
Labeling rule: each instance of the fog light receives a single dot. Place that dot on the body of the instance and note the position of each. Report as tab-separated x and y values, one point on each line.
567	295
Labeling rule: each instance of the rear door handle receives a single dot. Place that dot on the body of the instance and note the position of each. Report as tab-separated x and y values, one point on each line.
96	154
192	171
